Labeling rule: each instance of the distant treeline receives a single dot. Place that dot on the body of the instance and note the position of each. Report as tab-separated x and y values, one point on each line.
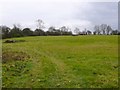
16	31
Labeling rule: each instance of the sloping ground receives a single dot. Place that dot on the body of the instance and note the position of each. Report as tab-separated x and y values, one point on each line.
68	62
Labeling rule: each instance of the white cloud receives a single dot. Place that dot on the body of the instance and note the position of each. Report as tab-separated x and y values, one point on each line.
0	14
53	12
59	0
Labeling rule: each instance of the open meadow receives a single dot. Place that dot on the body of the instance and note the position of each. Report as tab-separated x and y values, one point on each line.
86	61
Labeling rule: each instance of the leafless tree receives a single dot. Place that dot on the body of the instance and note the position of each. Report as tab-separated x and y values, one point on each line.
103	28
77	30
97	29
64	29
40	24
17	26
108	30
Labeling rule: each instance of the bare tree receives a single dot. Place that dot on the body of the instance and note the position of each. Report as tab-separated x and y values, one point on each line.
108	30
64	29
97	29
103	28
17	26
77	30
40	24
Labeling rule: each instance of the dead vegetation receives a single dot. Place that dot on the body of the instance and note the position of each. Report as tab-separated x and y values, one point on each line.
14	56
13	41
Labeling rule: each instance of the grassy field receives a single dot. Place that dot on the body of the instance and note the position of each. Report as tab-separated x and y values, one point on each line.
61	61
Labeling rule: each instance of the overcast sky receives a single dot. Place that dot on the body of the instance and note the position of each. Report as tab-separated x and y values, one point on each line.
72	13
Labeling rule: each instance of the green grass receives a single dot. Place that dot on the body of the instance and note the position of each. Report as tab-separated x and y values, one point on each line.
67	62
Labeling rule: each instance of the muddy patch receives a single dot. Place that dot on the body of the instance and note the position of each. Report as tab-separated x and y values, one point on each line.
14	56
13	41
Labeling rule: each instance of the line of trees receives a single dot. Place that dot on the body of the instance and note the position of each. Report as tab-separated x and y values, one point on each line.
16	31
104	29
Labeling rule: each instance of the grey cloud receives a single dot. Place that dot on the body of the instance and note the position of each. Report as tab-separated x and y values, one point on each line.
102	12
59	13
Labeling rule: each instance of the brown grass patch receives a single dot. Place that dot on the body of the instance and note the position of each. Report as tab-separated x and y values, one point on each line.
14	56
